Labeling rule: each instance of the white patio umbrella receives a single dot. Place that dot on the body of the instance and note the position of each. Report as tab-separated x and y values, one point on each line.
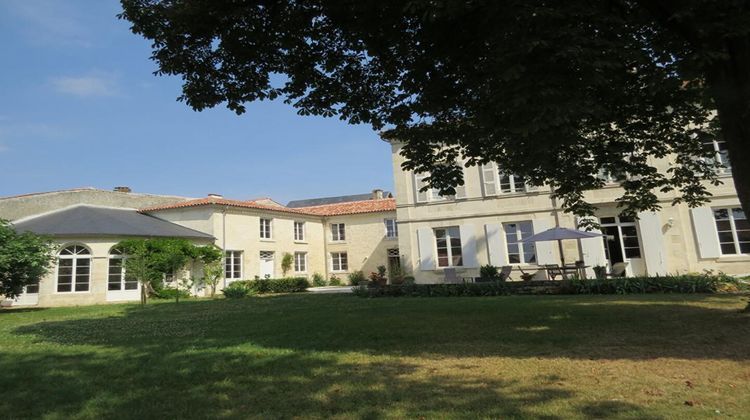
559	234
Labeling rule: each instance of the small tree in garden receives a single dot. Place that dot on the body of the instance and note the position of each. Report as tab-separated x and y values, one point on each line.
286	263
212	274
151	260
24	259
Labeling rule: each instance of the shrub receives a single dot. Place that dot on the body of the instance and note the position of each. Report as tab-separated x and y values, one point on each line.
283	285
236	290
379	278
286	263
171	293
488	271
318	280
688	283
357	277
334	281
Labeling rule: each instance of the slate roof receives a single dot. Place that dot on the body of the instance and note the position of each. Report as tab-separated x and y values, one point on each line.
353	207
86	220
334	200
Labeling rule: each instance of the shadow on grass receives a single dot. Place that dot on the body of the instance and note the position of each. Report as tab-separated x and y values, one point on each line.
580	327
228	384
320	356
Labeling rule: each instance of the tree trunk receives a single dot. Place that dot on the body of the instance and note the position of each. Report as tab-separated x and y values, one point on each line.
729	83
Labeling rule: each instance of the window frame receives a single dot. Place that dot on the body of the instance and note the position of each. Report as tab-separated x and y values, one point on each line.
619	224
262	230
494	168
449	246
393	233
733	230
300	268
117	255
336	259
522	251
340	231
718	156
234	255
299	231
74	257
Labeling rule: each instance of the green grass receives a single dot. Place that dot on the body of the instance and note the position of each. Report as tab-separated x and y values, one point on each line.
323	356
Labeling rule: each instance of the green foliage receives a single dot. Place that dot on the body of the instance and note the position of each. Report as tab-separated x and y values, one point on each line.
488	271
689	283
171	293
150	260
334	281
283	285
357	277
286	263
236	290
24	259
318	280
639	80
379	278
212	274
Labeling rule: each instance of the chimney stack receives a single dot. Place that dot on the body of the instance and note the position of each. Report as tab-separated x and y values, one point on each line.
122	189
377	194
214	195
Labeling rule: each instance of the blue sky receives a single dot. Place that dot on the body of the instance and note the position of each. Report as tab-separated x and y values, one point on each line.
79	106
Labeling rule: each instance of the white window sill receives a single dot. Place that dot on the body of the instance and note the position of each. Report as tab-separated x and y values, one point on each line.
336	242
72	293
267	240
300	242
339	271
391	238
734	258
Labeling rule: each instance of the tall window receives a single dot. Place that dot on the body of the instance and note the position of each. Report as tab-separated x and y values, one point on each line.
233	265
117	279
74	269
299	231
620	238
338	232
300	262
339	261
391	230
519	252
718	149
265	228
448	245
734	231
433	194
495	182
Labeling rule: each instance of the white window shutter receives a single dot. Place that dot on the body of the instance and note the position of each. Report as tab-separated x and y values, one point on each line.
422	196
426	242
544	250
592	253
461	191
704	225
496	248
652	241
469	246
489	179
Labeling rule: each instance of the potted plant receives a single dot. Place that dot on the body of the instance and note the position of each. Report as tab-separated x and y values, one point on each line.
600	271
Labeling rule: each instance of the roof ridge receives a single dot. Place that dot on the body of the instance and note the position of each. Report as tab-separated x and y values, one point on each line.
343	203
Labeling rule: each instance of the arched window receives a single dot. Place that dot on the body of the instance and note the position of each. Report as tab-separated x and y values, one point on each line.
117	279
74	269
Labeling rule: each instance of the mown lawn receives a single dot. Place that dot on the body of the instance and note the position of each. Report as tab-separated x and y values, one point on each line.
323	356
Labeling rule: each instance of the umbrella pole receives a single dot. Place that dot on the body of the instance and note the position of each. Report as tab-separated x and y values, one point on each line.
562	258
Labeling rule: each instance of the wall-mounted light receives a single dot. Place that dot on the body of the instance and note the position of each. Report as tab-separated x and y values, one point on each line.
670	222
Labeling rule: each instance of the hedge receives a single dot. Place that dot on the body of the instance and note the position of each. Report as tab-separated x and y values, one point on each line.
284	285
689	283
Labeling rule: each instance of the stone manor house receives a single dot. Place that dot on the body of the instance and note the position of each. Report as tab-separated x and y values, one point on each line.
423	233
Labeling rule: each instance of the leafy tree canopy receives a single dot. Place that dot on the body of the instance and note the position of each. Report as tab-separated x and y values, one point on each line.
24	259
553	91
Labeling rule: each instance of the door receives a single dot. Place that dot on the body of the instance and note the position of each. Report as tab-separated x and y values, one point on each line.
394	266
266	264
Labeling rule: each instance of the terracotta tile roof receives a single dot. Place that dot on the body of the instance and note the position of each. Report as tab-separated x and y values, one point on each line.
352	207
208	201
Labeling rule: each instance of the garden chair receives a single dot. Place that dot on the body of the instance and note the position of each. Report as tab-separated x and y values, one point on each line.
618	269
505	272
553	270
